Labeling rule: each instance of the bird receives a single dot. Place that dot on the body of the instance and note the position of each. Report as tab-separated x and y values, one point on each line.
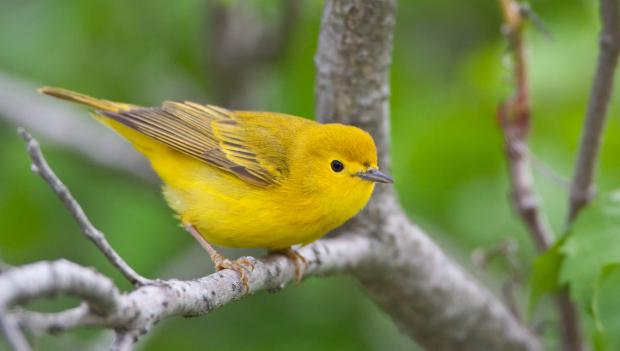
247	179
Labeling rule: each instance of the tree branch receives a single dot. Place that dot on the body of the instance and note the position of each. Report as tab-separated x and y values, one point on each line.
40	166
429	297
523	195
21	284
64	277
582	188
124	340
13	335
515	118
55	323
413	263
139	310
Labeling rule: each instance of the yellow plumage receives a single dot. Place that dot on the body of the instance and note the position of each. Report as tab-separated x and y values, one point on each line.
248	179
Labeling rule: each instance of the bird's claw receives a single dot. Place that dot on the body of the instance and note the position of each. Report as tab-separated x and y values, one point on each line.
242	266
300	262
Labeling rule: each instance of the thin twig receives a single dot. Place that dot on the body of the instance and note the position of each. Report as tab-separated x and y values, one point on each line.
13	335
523	195
56	323
143	307
583	189
548	172
23	283
515	117
41	167
569	320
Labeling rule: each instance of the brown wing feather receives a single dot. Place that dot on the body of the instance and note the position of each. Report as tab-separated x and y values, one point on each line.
211	134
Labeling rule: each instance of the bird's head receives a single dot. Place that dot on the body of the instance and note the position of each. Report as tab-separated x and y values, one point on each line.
340	162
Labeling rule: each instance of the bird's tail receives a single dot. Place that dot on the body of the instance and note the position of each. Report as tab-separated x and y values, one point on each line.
98	104
141	142
167	162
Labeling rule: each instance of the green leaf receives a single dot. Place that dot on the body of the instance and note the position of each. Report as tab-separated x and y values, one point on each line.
582	260
544	279
594	242
599	337
591	253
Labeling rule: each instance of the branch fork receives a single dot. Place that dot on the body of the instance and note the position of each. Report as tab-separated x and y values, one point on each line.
515	118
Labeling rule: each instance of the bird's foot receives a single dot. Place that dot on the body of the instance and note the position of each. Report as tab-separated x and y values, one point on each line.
241	265
300	262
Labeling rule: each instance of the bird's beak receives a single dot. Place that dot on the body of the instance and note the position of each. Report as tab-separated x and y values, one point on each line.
374	175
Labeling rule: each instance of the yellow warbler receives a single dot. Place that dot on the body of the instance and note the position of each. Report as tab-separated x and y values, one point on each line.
248	179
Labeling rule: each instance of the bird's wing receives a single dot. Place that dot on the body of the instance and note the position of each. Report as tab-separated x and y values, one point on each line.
214	135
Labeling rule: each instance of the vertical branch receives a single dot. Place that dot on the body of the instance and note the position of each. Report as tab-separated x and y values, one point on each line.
520	103
515	118
582	188
353	61
428	296
352	85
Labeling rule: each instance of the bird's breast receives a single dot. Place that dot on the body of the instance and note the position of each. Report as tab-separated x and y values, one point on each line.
232	213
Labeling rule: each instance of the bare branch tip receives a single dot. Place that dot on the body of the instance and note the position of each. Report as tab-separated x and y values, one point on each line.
24	134
32	143
39	165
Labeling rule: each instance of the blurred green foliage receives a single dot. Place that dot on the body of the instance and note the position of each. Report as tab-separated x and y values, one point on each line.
591	245
447	79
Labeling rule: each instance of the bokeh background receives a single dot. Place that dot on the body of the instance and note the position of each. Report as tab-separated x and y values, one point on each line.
448	75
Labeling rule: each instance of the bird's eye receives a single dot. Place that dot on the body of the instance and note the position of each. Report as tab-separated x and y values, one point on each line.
337	166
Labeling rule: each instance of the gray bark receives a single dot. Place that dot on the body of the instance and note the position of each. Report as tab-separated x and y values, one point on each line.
427	295
582	187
